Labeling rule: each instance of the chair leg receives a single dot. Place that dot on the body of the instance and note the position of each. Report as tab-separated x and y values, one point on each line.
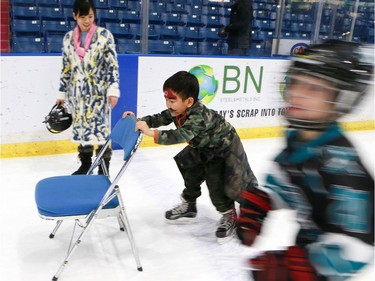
121	223
52	235
89	221
125	220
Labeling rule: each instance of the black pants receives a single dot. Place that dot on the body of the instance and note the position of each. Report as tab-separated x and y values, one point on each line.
196	167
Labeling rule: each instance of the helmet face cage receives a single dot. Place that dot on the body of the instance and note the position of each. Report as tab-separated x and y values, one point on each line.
58	120
344	65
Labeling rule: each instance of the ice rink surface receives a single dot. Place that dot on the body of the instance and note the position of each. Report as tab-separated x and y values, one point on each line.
150	186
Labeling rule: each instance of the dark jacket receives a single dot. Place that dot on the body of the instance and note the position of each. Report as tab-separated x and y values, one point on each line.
239	28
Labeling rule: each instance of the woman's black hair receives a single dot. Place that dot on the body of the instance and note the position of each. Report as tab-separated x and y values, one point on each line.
82	7
184	84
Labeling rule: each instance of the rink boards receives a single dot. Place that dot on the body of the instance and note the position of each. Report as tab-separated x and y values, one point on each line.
248	92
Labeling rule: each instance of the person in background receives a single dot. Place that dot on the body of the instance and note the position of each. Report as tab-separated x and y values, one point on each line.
238	31
89	83
319	173
214	153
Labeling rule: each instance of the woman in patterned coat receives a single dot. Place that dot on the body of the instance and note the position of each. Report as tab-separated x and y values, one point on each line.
89	82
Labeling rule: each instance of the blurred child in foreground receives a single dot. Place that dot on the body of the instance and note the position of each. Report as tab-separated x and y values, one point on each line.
318	174
214	153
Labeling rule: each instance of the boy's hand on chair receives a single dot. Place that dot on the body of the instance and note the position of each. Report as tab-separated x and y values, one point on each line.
144	128
126	113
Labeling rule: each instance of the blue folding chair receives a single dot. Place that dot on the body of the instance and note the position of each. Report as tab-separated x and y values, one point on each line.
84	198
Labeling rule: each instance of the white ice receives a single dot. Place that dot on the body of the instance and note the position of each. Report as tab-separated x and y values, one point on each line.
150	186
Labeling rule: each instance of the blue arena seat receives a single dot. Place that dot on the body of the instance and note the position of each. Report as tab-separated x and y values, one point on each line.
193	20
210	3
67	3
24	12
153	34
195	8
128	46
47	3
26	27
134	5
210	48
186	48
168	32
101	4
131	16
55	13
160	47
22	2
155	18
107	15
177	8
173	19
211	33
212	21
27	44
54	43
119	30
55	27
117	4
135	30
212	11
158	7
258	49
191	33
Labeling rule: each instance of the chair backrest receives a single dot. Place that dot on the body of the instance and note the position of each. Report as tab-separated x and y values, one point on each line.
124	134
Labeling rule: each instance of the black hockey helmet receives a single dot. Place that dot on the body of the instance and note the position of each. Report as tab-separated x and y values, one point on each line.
58	119
348	65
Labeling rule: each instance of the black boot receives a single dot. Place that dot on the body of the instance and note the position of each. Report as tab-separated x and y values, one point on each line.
85	155
106	157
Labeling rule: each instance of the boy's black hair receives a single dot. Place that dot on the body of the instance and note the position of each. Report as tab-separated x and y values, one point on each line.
82	7
184	84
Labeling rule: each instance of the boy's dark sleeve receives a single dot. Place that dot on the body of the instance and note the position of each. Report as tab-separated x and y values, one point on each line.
193	127
157	120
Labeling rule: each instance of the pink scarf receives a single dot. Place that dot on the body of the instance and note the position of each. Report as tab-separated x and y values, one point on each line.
81	51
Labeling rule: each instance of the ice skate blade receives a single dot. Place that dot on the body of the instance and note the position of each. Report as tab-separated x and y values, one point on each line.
182	221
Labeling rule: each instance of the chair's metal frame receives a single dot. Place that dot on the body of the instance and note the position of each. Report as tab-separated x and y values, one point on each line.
85	222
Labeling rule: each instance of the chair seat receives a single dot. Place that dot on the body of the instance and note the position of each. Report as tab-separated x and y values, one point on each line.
72	195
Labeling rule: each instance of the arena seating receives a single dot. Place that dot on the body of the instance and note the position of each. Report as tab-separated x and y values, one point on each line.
181	21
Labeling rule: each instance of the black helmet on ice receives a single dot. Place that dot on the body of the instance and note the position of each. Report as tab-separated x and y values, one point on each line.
58	119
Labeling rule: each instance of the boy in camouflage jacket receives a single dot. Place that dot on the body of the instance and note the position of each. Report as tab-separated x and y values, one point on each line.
214	153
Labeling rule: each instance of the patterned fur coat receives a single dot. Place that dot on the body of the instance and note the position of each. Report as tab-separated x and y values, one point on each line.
87	84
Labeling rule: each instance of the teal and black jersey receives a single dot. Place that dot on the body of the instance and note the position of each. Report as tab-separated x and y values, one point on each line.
326	182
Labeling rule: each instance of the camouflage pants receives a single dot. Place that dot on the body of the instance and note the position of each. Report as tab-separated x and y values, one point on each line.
225	172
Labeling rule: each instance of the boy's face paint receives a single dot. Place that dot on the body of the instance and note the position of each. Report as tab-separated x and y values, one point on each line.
175	104
168	94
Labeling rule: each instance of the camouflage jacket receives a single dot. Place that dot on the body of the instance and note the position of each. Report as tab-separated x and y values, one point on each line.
201	127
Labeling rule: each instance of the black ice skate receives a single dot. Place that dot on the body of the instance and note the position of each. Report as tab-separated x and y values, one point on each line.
185	213
227	226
